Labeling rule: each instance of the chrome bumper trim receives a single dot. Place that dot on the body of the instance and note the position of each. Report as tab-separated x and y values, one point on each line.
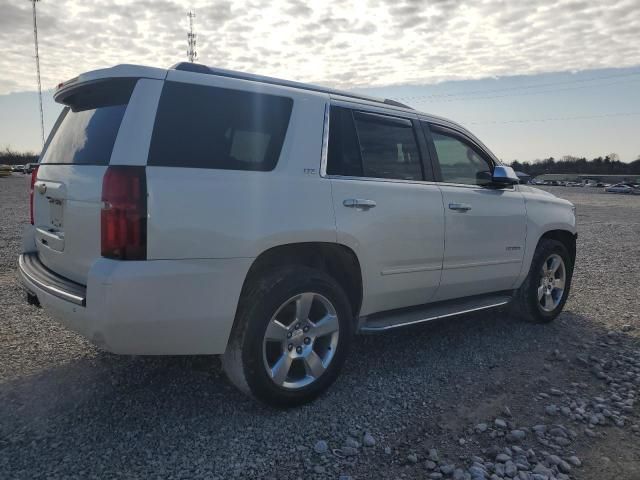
34	274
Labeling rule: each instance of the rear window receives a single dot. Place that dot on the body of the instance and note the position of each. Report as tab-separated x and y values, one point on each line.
87	128
209	127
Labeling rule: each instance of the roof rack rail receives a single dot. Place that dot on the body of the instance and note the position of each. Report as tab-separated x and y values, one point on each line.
199	68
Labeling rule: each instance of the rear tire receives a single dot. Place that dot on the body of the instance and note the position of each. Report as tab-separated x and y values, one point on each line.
542	295
290	337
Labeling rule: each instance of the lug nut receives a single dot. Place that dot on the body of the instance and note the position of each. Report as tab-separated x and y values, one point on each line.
299	349
289	334
307	340
290	347
305	329
297	326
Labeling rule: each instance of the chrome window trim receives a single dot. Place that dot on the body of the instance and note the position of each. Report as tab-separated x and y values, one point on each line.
466	185
418	182
385	180
325	141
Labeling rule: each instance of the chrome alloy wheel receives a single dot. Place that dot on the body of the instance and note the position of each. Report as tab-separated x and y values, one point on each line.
300	340
552	281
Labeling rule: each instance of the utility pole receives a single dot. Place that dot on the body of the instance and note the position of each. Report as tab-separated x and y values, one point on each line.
35	38
191	38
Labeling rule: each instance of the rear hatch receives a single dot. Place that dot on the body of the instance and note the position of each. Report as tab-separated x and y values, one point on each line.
68	186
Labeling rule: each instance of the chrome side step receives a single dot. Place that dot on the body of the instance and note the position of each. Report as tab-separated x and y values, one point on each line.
380	322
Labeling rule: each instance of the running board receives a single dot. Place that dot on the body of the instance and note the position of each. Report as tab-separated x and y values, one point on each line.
379	322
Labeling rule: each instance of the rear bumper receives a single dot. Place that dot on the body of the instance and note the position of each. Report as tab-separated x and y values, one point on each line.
159	307
35	275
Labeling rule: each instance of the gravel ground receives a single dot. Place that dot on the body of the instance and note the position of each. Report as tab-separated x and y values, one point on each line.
483	396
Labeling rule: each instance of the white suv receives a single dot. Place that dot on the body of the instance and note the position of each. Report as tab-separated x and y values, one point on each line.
203	211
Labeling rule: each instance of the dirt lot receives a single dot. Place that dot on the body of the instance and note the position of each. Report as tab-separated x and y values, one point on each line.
484	396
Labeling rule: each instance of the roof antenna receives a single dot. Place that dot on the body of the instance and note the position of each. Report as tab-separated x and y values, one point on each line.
192	55
35	38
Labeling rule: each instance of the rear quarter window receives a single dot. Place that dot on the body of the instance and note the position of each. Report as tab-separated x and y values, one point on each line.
199	126
86	130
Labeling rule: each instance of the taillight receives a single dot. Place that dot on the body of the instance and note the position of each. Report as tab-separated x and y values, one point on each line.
34	174
123	218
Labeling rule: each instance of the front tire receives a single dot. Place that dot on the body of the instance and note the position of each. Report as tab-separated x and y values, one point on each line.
291	336
542	295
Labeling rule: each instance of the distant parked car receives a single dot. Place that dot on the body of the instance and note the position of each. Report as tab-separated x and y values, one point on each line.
5	170
28	168
17	168
619	188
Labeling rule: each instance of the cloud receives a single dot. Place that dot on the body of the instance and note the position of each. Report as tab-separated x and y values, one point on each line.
355	44
298	8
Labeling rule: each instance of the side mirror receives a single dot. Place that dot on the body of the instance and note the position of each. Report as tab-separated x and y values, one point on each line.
504	176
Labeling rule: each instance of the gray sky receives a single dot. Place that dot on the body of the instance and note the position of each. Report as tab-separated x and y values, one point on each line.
395	46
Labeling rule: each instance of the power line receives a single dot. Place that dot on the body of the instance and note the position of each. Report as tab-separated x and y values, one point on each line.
35	39
521	94
532	120
521	87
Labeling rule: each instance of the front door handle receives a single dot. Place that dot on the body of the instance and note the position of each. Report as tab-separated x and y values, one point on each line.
359	203
460	207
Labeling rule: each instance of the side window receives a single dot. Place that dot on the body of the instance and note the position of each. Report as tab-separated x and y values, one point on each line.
344	151
199	126
389	148
459	161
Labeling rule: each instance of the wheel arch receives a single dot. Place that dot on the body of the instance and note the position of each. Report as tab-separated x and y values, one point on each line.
337	260
559	232
566	237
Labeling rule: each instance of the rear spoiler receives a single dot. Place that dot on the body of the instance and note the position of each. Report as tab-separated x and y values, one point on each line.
119	71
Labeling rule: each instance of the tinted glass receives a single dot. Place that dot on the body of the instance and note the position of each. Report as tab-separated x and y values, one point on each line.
208	127
87	128
344	151
388	146
459	162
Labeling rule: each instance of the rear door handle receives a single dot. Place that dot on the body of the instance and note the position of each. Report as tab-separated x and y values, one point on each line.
359	203
460	207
